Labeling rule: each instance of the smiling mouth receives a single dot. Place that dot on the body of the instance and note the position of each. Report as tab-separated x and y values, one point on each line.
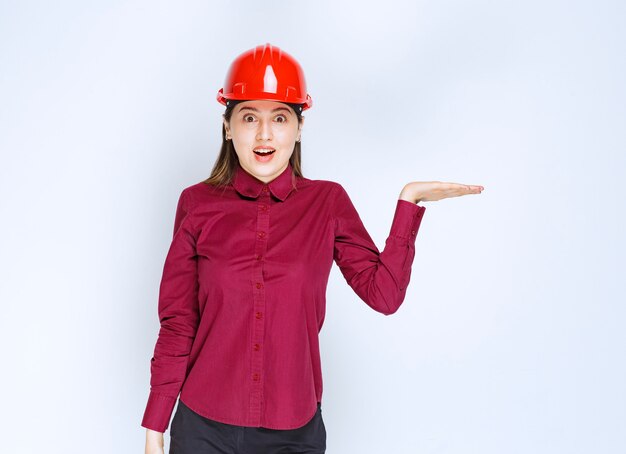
264	153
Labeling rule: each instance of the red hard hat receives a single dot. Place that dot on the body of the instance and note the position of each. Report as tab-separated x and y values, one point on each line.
267	73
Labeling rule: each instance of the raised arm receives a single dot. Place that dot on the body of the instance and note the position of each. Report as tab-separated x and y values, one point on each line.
380	279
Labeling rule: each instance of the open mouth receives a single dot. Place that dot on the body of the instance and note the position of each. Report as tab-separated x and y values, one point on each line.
265	152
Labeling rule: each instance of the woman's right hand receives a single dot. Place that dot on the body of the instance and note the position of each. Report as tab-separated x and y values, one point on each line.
154	442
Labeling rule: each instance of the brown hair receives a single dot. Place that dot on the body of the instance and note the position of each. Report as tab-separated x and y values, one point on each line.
226	162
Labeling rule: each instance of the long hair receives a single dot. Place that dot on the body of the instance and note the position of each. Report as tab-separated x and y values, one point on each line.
226	162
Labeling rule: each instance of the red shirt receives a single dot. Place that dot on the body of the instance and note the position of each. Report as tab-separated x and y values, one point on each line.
242	296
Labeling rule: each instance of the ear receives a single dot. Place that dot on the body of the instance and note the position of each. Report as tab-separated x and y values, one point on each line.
226	126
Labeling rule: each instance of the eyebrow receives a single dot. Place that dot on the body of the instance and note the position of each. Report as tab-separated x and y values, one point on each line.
254	109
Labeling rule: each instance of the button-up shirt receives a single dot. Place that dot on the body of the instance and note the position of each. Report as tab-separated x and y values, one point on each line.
242	295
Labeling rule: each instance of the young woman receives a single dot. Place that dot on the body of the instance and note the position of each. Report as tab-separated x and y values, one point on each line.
242	297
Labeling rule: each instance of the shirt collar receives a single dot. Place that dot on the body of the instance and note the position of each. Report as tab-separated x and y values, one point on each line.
249	186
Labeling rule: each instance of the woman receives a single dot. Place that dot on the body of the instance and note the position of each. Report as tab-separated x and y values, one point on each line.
242	297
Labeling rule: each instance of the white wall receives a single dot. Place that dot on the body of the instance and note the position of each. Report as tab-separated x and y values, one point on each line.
511	336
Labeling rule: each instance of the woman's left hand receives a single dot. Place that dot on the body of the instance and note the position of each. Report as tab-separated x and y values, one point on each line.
427	191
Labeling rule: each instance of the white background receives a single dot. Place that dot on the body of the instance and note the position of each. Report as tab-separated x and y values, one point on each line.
511	337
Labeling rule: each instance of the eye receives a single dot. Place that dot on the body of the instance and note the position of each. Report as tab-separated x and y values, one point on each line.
245	118
282	118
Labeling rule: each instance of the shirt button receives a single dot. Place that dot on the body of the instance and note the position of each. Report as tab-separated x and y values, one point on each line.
412	232
259	257
259	315
256	347
259	285
263	207
261	234
265	189
255	377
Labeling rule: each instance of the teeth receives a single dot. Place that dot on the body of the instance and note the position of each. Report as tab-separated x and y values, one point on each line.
263	151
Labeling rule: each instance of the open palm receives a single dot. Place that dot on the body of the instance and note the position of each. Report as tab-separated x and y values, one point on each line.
427	191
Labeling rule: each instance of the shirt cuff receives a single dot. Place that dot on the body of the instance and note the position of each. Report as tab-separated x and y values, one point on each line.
158	412
406	220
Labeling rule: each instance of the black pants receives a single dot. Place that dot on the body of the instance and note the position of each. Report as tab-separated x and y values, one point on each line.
194	434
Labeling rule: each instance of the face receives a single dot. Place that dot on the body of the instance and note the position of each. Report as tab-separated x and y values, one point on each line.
257	126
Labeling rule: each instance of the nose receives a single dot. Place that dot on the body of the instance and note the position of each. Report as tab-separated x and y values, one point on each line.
264	131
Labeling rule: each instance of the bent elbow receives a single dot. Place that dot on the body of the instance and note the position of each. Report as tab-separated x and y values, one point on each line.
390	311
386	307
385	302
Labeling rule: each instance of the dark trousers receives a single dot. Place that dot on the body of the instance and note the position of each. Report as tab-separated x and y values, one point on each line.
191	433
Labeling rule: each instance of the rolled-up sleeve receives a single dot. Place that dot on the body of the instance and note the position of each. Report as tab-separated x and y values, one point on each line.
179	316
380	279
